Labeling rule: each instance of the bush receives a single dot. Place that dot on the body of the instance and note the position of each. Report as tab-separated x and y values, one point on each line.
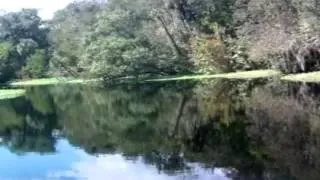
209	55
303	55
36	65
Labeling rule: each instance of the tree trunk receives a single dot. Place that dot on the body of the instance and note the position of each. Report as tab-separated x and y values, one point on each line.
179	115
173	43
69	70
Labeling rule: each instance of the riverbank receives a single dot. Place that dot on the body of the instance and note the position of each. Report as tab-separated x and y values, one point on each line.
52	81
246	75
11	93
235	75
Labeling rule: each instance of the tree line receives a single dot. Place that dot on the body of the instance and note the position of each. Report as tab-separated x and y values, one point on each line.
121	38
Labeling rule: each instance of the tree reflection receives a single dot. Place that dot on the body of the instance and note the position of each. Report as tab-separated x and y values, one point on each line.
256	130
24	128
286	128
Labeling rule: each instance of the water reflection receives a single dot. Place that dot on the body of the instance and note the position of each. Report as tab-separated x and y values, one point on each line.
117	167
217	130
71	163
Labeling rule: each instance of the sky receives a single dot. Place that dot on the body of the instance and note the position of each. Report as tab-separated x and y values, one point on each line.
73	163
46	7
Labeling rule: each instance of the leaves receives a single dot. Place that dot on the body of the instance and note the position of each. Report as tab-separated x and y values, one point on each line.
36	65
21	35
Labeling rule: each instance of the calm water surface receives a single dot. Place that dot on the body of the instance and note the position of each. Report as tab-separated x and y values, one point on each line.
226	130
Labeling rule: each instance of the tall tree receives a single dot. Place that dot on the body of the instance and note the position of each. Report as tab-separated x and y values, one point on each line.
21	35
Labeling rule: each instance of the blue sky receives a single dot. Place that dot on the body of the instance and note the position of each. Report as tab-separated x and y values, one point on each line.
46	7
73	163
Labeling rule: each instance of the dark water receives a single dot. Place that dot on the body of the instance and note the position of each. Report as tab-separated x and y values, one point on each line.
216	130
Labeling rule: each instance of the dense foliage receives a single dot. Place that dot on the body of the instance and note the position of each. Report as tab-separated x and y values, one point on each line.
23	45
121	38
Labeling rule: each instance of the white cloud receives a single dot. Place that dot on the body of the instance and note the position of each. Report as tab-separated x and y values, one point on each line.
73	163
46	7
116	167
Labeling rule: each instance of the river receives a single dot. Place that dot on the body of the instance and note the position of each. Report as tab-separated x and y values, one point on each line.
210	130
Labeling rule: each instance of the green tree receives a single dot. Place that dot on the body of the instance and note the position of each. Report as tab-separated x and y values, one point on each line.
25	24
36	65
21	35
6	66
69	27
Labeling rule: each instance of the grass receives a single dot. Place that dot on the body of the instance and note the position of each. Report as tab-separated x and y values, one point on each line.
51	81
45	81
236	75
303	77
11	93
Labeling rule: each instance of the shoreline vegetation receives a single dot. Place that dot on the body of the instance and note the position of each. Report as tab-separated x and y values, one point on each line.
243	75
52	81
313	77
11	93
234	75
